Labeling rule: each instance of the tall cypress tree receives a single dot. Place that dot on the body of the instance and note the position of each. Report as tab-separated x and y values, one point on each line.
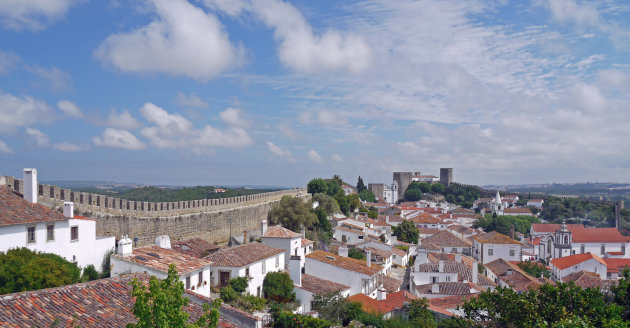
360	185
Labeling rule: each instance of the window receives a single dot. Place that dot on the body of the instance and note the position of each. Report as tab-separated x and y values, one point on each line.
264	267
277	261
490	252
200	278
623	249
511	252
188	282
448	278
454	250
247	272
582	249
50	232
603	249
74	233
360	237
30	235
434	280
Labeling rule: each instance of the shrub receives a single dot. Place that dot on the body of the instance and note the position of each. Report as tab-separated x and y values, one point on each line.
239	284
89	273
290	320
228	294
356	253
278	286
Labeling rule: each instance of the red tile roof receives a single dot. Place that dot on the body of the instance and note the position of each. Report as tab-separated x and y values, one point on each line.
243	255
195	247
552	227
494	237
617	264
464	272
518	211
345	262
586	279
159	259
306	242
568	261
280	232
446	238
17	210
450	302
390	303
98	303
317	285
512	275
597	235
450	288
390	284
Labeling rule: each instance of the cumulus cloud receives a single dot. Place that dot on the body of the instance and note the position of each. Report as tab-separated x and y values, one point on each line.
69	108
571	11
190	100
299	47
315	156
32	14
22	111
38	138
4	148
323	117
276	150
70	147
182	41
176	131
123	120
234	117
336	158
117	138
53	78
7	61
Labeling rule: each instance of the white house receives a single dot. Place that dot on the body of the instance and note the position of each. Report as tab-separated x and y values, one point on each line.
155	260
536	203
293	243
252	260
448	242
564	266
24	223
307	285
490	246
361	276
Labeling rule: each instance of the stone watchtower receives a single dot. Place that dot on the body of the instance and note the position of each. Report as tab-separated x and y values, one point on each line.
403	179
446	176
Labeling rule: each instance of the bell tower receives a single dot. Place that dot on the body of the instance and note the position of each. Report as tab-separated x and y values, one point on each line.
562	245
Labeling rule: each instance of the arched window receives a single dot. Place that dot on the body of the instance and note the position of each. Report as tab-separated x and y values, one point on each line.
566	240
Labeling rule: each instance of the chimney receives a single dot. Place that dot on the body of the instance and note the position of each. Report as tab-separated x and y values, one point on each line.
303	232
381	293
295	270
30	185
369	258
125	246
435	289
342	251
474	273
68	209
163	241
244	237
387	219
441	266
422	256
263	227
458	258
394	240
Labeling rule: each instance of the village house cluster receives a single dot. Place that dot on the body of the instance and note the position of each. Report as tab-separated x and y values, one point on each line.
452	261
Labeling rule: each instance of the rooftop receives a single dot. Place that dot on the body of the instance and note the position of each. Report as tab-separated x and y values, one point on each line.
494	237
195	247
586	279
512	275
280	232
446	238
597	235
345	262
517	210
552	227
390	284
390	303
317	285
463	271
243	255
17	210
160	258
569	261
450	288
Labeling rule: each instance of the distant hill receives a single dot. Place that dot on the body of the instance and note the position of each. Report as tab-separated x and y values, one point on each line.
603	190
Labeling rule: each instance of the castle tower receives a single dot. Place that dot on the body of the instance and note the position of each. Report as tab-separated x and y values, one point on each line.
446	176
403	179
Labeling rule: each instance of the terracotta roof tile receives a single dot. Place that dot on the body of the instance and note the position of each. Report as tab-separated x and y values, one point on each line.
494	237
159	258
586	279
306	242
390	303
17	210
512	275
391	285
345	262
446	238
463	271
617	264
450	288
568	261
280	232
552	227
450	302
523	210
243	255
195	247
597	235
428	231
317	285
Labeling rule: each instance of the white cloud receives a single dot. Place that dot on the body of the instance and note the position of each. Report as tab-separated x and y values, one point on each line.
175	131
69	108
116	138
32	14
182	41
70	147
22	111
336	158
4	148
53	78
231	7
276	150
38	137
571	11
323	117
315	157
190	100
234	117
7	61
123	120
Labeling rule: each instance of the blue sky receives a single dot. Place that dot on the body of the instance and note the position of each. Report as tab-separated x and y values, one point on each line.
275	92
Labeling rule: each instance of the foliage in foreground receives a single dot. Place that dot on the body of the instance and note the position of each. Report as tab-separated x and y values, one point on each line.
160	305
278	286
407	232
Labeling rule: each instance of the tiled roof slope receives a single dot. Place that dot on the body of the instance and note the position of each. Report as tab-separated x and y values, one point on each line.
553	227
160	258
586	279
243	255
345	262
100	303
195	247
16	210
280	232
390	303
463	271
517	279
568	261
446	238
450	288
317	285
390	284
494	237
597	235
617	264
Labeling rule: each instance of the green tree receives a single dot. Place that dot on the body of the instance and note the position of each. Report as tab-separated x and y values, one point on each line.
317	186
424	187
160	305
437	188
342	200
356	253
89	273
278	287
413	195
335	307
323	223
22	269
360	185
534	269
239	284
420	315
407	232
292	213
286	319
621	293
327	203
367	196
354	202
106	264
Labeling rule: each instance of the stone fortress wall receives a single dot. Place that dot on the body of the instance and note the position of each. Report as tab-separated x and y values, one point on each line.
210	219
